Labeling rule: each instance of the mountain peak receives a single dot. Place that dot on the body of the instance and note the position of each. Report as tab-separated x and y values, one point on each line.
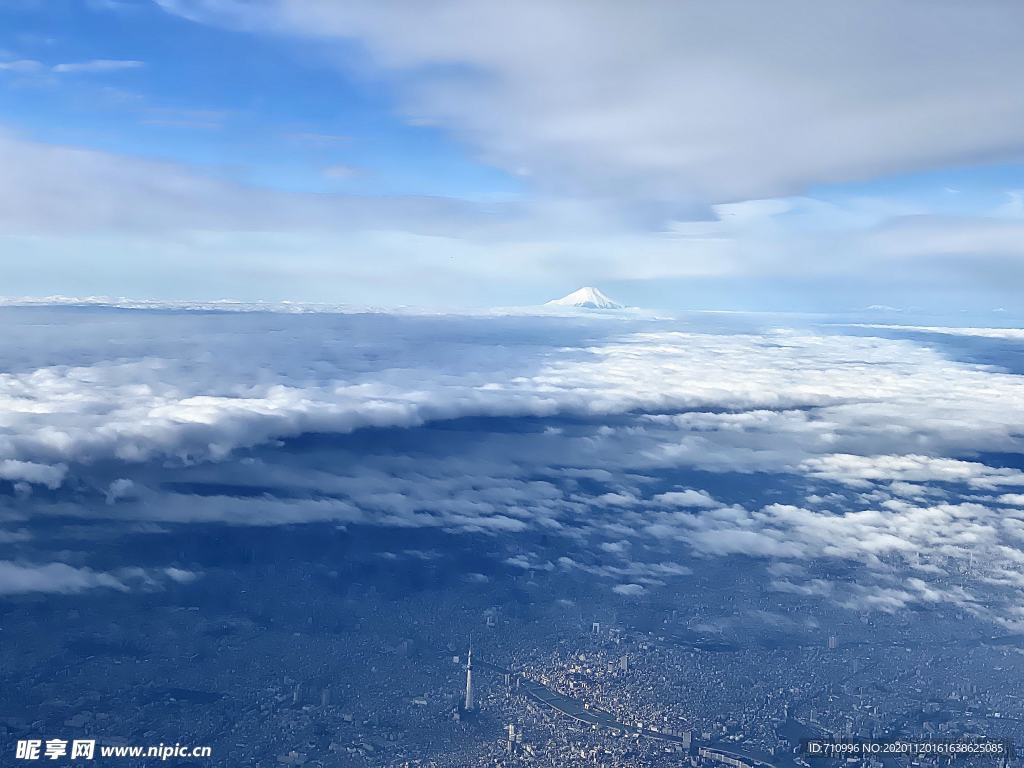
589	298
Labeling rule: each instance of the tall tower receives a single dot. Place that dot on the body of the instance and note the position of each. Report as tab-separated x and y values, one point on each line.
469	680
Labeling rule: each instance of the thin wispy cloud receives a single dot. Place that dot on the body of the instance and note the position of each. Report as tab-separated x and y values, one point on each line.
23	66
97	65
31	66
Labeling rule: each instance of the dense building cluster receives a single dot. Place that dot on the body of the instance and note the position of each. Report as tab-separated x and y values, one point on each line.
343	668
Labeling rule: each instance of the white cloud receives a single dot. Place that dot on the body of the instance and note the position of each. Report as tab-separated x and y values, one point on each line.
119	489
97	222
178	417
30	472
18	578
679	148
687	498
180	575
1009	334
865	470
340	172
22	66
22	578
836	400
33	67
98	65
682	103
629	590
62	190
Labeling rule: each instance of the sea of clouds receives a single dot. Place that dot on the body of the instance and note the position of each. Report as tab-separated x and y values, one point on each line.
642	444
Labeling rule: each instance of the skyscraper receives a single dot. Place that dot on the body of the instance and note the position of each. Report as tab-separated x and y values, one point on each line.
469	681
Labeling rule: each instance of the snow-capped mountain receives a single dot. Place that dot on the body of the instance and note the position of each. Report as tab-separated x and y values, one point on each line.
589	298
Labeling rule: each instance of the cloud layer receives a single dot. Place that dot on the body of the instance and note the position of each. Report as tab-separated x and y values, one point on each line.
637	444
792	396
681	103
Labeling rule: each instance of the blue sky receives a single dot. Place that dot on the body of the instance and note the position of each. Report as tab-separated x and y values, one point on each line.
451	154
256	109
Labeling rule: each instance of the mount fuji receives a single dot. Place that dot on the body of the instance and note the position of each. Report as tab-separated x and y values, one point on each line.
587	298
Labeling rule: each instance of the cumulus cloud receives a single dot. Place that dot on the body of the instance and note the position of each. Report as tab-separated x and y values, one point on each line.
628	590
30	472
687	498
640	572
180	575
888	597
864	470
18	578
119	489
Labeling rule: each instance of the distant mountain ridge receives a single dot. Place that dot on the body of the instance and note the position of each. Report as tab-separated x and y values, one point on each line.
587	298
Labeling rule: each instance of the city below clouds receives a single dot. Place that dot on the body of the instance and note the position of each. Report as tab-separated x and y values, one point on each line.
556	382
